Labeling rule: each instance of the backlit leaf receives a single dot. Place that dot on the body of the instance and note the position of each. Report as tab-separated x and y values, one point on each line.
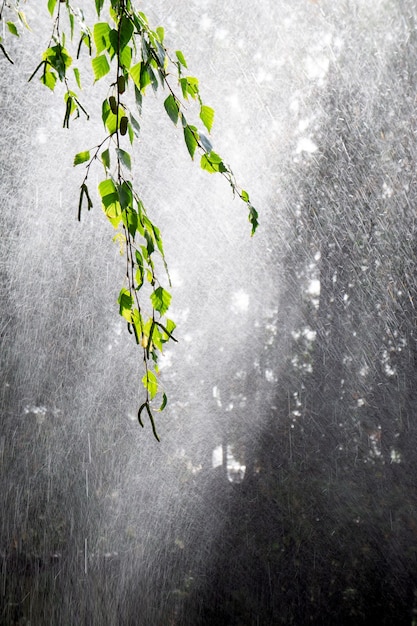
212	163
181	58
161	299
101	66
101	35
77	76
150	382
81	157
207	116
51	6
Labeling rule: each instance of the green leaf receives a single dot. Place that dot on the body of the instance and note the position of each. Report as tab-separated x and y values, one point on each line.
126	57
110	201
161	300
181	58
71	20
207	116
101	35
172	108
253	218
105	158
108	117
189	86
140	271
125	32
167	329
82	157
145	77
101	66
190	136
12	28
51	6
135	74
125	195
212	163
137	325
125	301
244	195
150	382
49	78
161	33
164	402
106	187
58	57
99	6
77	76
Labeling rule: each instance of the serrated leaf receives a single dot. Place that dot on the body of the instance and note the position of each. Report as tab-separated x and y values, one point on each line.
106	187
172	108
181	58
100	66
101	36
161	299
207	116
190	136
82	157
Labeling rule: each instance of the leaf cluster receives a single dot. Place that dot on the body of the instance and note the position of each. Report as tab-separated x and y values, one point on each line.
122	45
